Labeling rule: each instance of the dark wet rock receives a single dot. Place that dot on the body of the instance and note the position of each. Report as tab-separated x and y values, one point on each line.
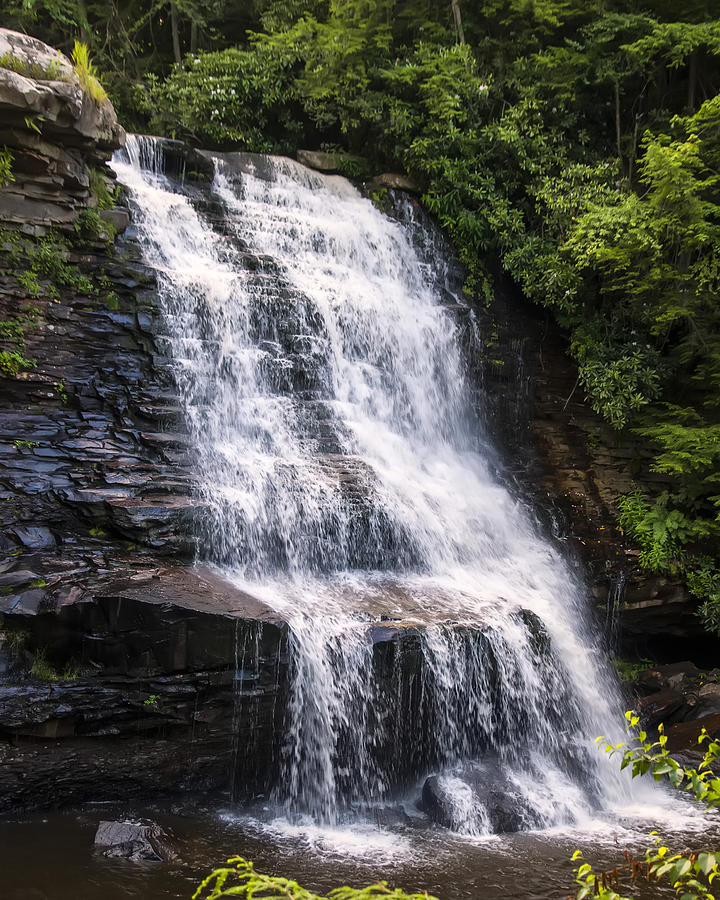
679	677
138	696
35	537
391	816
136	841
708	700
665	707
17	579
683	737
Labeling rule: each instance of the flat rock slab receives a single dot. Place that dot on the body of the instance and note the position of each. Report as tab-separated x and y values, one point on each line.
194	588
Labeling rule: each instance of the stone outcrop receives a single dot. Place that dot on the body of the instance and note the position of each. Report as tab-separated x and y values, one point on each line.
57	133
391	181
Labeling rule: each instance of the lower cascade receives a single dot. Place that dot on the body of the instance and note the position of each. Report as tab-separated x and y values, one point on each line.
346	479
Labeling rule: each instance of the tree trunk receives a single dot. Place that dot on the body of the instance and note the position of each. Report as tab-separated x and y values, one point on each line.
692	80
618	133
458	20
193	36
175	34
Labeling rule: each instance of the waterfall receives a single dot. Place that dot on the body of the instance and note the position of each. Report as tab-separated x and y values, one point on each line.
348	482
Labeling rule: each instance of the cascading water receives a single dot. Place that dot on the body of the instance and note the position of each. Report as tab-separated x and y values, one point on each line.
348	483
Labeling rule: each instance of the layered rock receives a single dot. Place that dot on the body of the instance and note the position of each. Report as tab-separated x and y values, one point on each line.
128	689
57	133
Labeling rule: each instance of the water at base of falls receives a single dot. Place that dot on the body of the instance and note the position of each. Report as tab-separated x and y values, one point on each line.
348	483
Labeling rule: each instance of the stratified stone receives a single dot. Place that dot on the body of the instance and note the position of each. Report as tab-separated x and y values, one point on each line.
51	170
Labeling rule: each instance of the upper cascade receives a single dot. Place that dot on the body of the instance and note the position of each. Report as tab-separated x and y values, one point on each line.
347	479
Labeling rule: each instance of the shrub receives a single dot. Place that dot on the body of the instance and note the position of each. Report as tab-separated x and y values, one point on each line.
85	71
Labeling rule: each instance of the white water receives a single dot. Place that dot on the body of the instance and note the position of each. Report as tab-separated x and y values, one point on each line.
347	479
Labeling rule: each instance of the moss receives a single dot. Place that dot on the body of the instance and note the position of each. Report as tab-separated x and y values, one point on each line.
61	390
98	185
29	69
14	639
89	225
12	332
112	301
629	671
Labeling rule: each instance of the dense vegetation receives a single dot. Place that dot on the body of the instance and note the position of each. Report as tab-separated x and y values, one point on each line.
577	141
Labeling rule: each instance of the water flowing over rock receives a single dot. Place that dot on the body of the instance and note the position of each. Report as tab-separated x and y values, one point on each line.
346	481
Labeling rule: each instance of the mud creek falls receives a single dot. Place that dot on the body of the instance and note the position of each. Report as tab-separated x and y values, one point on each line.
347	481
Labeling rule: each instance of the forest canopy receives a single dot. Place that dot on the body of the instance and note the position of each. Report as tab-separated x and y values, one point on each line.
576	143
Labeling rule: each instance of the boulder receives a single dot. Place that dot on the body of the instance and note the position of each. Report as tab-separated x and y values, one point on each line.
708	700
679	676
136	841
43	82
118	218
35	537
477	799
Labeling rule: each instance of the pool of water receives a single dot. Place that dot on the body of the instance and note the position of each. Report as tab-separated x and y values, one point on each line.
50	856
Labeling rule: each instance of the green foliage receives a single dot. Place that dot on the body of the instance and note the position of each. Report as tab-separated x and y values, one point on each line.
630	671
6	162
41	668
232	97
239	879
689	873
85	71
15	639
105	197
25	445
91	227
12	334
